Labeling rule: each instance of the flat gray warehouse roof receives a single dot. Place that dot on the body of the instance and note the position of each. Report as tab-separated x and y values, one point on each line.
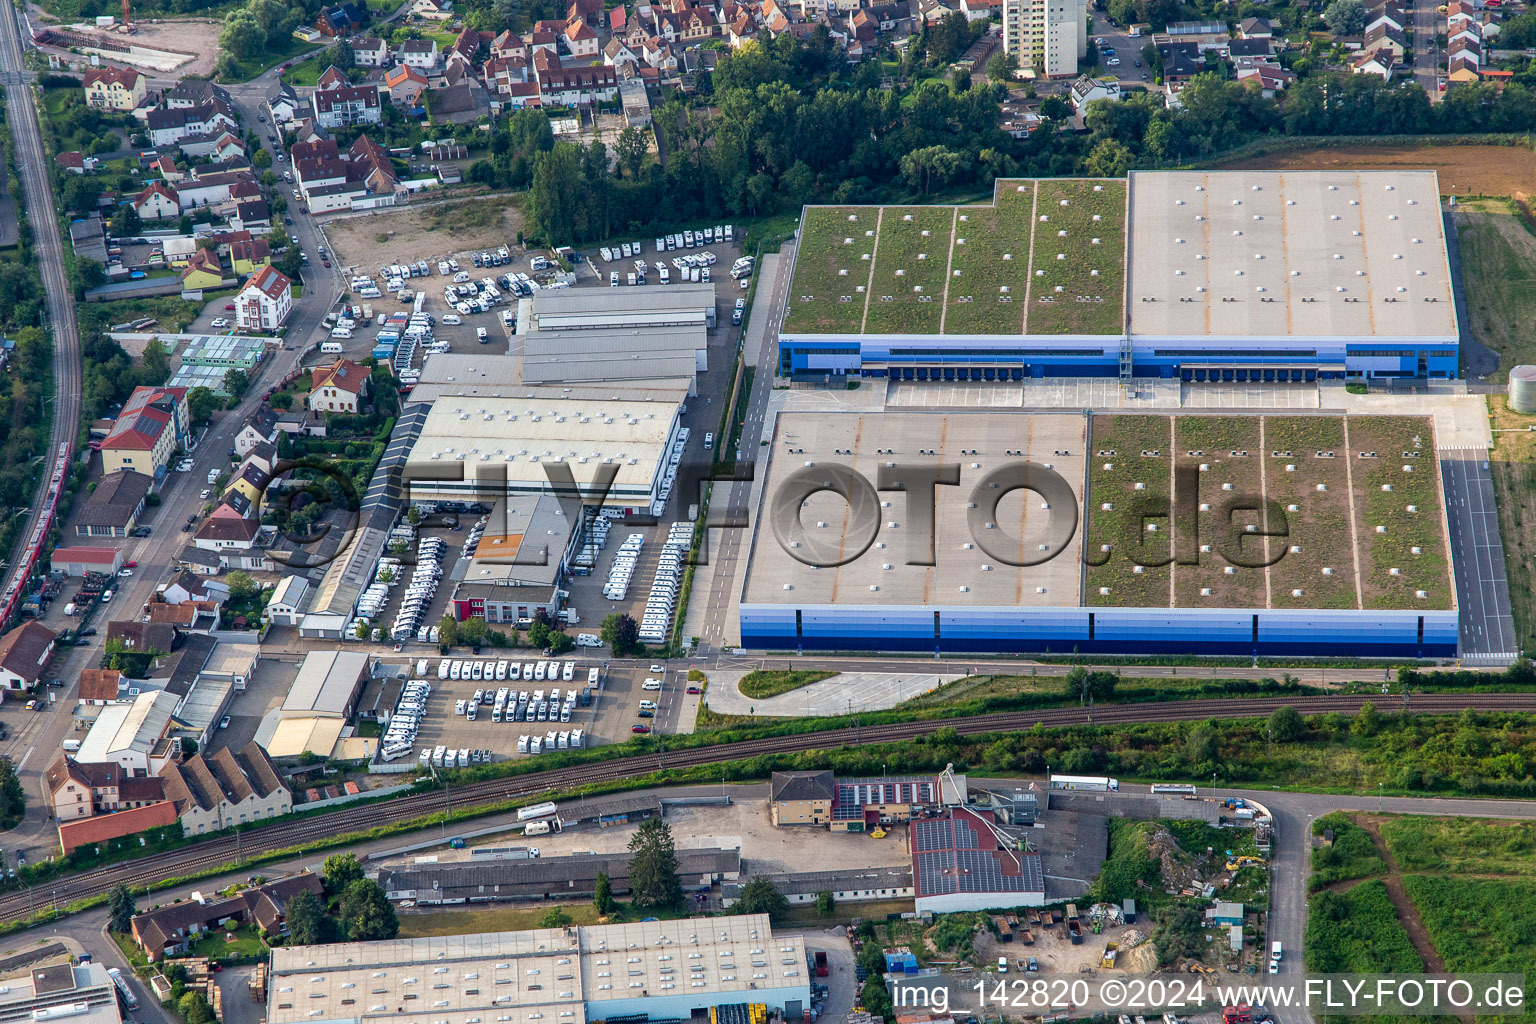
1316	254
963	573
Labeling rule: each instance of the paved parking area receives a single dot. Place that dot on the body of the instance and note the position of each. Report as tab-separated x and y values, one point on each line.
1099	393
944	394
1250	396
1482	586
842	694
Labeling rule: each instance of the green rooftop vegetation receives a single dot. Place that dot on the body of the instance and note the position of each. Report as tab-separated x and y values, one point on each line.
1351	508
966	270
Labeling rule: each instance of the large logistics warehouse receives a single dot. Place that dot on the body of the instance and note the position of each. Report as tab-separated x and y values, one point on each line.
1105	533
1192	275
656	970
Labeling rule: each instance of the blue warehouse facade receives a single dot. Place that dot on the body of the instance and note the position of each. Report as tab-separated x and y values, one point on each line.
1101	630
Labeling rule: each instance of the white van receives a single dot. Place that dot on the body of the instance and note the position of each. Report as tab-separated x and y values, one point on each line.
330	348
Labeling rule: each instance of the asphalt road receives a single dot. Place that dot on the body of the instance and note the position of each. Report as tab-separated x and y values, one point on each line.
48	251
760	350
1482	589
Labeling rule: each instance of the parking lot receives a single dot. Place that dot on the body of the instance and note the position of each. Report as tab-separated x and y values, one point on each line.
442	716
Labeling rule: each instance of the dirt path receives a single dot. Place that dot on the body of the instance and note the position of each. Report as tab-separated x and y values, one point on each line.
1407	913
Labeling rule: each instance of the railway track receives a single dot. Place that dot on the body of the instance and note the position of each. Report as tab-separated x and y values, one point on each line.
155	868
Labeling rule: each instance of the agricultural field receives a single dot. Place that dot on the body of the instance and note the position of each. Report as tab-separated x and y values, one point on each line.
1226	455
1129	469
1498	268
1319	516
832	270
1463	170
1077	268
1408	557
989	265
906	292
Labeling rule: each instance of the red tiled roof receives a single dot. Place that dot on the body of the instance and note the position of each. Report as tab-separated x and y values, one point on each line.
144	418
99	683
85	554
75	834
268	280
107	75
343	375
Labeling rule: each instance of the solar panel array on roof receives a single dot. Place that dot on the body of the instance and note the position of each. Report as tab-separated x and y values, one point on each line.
953	856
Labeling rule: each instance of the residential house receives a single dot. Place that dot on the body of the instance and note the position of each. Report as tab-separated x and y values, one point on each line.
509	44
1181	61
343	19
226	528
265	301
1387	13
210	188
464	103
102	686
114	507
1384	37
403	83
345	105
517	95
801	798
980	10
24	652
153	423
77	790
249	256
563	86
1090	90
339	387
183	587
170	929
203	271
139	636
283	103
500	74
194	92
109	88
88	238
187	617
580	40
1380	62
1464	51
1269	77
252	215
224	789
420	54
1255	28
618	19
76	162
369	52
172	126
589	12
165	166
1239	49
617	52
433	10
259	430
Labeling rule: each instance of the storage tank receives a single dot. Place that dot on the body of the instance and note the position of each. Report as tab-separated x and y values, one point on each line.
1522	389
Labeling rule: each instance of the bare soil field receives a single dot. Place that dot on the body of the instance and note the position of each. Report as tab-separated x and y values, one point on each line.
199	36
426	231
1464	170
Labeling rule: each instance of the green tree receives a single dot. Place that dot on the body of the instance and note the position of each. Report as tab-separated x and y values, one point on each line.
193	1008
366	913
305	918
1368	720
360	630
875	997
125	221
261	159
1109	159
241	586
472	631
122	908
1081	684
554	199
185	225
340	871
761	896
1345	17
620	632
1000	67
602	895
157	362
826	903
1285	724
235	382
630	149
201	402
653	866
242	36
538	634
555	918
13	798
929	168
560	642
447	631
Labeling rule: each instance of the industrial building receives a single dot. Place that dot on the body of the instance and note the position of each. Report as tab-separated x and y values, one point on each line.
964	861
678	307
83	994
1103	533
572	356
854	885
318	705
857	805
574	876
479	449
521	562
479	375
656	970
1184	275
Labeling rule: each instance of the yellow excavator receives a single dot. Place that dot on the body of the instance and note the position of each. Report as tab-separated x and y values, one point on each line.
878	833
1246	860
